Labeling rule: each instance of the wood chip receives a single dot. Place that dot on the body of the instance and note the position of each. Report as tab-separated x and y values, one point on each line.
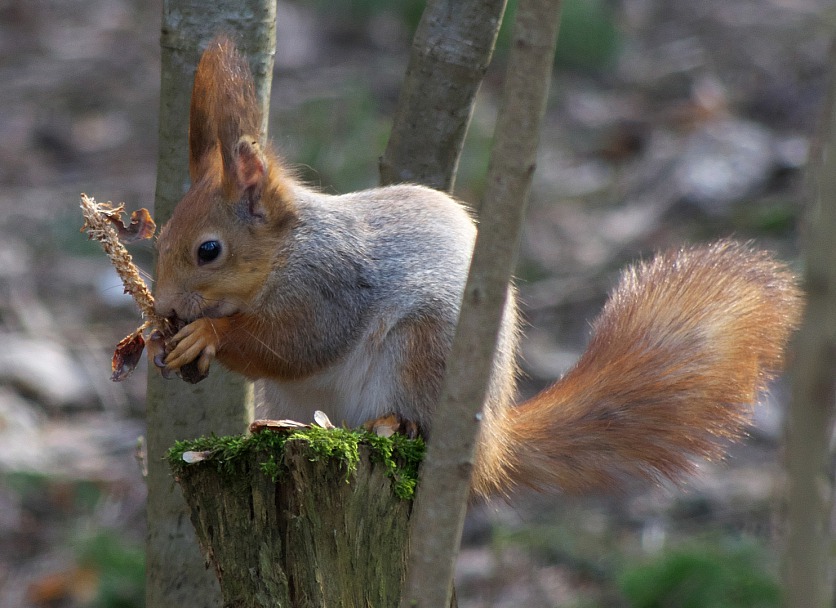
321	418
258	426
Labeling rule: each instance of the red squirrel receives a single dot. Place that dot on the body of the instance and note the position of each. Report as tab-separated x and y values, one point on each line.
348	304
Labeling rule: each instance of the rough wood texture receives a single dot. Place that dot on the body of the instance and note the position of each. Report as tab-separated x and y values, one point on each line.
313	539
451	51
445	478
175	575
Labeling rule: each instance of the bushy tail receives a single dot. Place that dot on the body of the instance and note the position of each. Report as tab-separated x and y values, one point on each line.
676	358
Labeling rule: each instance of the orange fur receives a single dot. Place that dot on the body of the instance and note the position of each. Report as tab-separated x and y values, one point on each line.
676	358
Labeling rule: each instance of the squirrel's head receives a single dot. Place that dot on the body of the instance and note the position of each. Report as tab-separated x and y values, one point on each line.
218	248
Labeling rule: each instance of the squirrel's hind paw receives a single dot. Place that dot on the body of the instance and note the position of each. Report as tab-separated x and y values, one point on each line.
389	424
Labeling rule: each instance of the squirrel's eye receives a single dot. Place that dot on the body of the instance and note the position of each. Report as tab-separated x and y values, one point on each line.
208	252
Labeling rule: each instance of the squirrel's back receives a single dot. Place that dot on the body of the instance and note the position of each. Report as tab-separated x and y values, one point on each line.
419	237
410	244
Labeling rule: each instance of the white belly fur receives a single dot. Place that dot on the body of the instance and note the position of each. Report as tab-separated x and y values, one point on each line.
357	388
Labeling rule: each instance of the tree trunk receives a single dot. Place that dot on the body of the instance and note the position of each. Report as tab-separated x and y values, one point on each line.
445	478
809	575
319	536
175	573
451	51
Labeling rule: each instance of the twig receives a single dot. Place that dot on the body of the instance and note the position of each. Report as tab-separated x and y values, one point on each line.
102	222
808	554
445	478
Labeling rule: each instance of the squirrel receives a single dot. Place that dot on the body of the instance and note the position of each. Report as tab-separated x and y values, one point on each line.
348	303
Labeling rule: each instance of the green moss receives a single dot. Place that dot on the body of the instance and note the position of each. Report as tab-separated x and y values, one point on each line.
400	455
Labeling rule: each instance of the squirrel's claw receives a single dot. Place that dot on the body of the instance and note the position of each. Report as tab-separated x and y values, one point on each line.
156	347
205	359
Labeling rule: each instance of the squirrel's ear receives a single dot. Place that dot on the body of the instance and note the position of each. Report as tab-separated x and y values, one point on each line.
250	165
244	177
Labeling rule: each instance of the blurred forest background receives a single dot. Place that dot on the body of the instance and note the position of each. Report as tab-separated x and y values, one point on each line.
669	121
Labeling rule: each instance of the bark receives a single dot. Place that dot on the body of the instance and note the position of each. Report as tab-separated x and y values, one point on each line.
175	574
809	575
445	477
311	539
451	51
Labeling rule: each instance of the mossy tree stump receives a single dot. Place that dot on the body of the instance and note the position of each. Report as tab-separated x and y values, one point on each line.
310	517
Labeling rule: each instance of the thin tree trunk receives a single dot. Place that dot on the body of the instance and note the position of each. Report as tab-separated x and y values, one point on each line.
175	573
445	478
809	564
451	51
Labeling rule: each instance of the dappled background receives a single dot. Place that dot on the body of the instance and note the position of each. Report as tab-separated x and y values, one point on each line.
669	121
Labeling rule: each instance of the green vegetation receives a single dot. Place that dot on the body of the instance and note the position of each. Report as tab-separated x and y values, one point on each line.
769	216
400	455
333	141
93	561
703	575
120	567
720	569
589	39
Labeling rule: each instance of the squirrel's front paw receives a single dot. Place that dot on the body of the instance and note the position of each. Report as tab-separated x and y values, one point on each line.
199	340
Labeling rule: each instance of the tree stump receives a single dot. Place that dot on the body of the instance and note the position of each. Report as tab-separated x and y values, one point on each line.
302	518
